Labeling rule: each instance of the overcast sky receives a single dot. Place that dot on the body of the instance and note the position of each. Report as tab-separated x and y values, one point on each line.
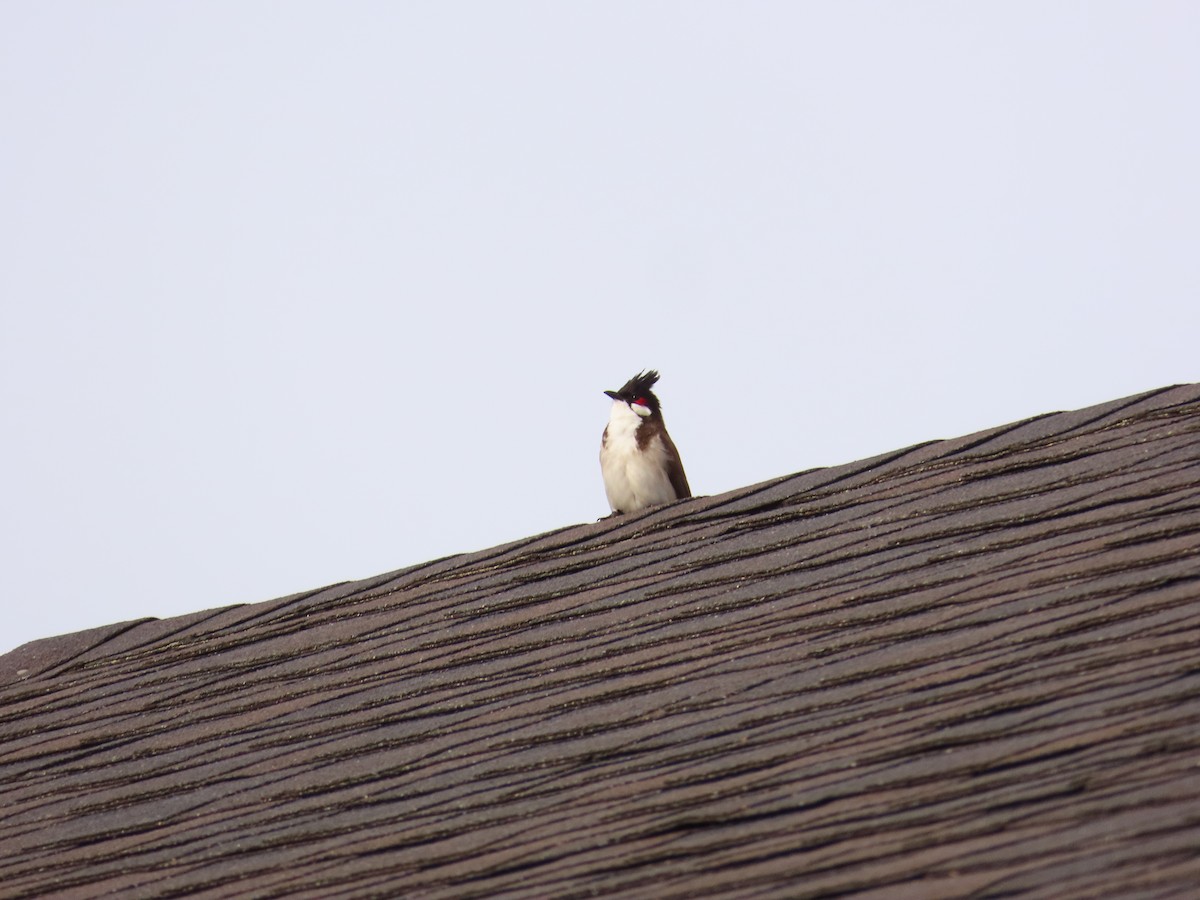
294	293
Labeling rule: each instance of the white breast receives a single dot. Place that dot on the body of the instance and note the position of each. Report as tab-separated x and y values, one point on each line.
633	479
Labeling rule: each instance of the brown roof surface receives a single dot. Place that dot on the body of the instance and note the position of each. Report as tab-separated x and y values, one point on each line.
968	668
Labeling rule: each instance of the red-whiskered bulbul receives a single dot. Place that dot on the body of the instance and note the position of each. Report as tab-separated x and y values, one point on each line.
638	459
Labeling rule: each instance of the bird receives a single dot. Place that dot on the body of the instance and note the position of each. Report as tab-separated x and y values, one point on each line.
638	459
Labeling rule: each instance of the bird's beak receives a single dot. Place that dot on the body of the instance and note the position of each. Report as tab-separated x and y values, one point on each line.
612	394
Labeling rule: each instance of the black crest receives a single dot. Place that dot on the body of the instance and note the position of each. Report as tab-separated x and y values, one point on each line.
639	386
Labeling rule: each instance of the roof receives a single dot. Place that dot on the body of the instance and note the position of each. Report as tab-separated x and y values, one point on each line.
970	667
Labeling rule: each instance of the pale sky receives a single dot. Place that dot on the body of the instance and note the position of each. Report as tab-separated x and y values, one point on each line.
295	293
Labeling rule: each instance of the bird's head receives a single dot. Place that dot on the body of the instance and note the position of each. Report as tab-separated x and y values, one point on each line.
636	394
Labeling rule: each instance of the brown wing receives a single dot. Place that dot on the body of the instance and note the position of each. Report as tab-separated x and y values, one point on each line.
675	470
